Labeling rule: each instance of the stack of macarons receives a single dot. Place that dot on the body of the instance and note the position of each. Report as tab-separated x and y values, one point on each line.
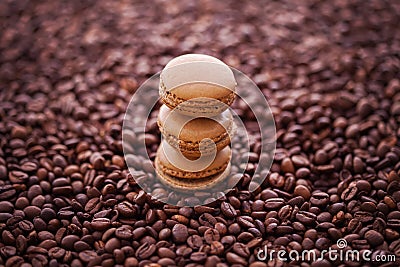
195	122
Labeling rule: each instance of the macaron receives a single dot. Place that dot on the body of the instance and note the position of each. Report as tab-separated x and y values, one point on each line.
197	84
188	133
173	169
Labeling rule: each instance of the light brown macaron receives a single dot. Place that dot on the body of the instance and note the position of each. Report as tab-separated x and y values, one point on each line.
197	84
183	176
186	133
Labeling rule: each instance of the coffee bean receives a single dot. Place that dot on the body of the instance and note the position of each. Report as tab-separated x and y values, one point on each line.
126	209
274	203
166	253
241	250
211	235
81	246
47	214
164	234
267	194
7	192
18	177
14	261
301	190
179	233
319	199
145	251
374	238
287	165
305	217
303	172
195	241
25	225
32	211
87	256
124	232
245	237
112	244
300	161
198	256
228	210
212	261
217	248
138	232
100	223
207	219
258	264
68	241
62	167
131	262
349	193
232	258
322	243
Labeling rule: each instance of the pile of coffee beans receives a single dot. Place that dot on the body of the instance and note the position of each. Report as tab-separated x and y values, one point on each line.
329	69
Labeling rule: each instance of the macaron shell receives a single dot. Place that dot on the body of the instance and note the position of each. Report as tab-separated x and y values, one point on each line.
191	184
188	78
218	165
201	89
190	58
187	138
191	129
198	70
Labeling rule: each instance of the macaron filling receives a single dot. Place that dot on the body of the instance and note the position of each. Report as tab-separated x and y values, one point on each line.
189	134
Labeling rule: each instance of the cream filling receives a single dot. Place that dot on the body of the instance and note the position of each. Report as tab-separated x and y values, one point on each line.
174	122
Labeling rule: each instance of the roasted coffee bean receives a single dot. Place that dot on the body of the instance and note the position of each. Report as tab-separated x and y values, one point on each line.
112	245
68	241
207	219
124	232
7	192
319	199
100	223
145	251
195	241
303	191
217	248
374	238
228	210
274	203
67	197
198	256
166	253
349	193
241	250
126	209
211	235
87	256
233	258
179	233
14	261
307	218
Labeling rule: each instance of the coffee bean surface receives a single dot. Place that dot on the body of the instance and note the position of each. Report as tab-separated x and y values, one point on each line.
329	70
